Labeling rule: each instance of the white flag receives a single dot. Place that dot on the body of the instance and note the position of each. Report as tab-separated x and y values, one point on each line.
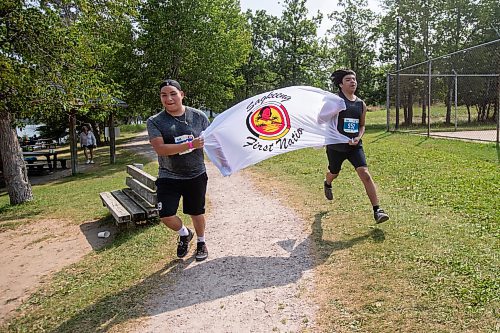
273	123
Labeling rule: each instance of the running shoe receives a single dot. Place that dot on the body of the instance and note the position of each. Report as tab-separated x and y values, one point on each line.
201	251
380	216
183	244
328	190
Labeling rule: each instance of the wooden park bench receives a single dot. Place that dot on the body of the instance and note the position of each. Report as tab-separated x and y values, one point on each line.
37	167
137	203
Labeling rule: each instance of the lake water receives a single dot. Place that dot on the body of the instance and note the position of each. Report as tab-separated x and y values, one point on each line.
28	130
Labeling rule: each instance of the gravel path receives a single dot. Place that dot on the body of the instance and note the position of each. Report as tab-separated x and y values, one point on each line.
258	276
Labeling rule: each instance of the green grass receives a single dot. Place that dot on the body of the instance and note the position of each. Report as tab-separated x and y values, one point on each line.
431	268
74	196
108	286
434	266
132	128
438	119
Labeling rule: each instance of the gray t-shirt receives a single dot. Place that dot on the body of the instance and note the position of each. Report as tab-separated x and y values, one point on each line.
176	130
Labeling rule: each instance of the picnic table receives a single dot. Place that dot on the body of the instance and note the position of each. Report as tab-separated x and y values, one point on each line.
50	156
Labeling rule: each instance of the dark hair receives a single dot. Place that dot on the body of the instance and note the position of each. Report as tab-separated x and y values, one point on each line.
170	82
339	74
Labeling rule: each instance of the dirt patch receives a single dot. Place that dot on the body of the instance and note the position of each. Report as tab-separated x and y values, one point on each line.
34	251
259	273
258	277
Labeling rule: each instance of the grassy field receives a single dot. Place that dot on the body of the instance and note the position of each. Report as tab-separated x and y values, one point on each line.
108	283
51	199
432	268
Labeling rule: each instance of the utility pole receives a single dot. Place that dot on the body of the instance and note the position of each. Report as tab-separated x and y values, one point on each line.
398	31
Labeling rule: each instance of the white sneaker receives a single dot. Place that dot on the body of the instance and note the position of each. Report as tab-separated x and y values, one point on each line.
91	161
88	162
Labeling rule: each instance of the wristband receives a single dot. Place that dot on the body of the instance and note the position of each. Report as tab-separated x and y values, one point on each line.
190	144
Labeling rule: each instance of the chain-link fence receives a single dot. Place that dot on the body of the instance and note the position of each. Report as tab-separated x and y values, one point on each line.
456	95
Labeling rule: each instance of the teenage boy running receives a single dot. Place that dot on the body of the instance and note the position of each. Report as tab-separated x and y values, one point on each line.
351	123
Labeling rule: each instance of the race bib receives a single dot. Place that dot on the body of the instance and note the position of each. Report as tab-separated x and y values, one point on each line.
351	125
182	139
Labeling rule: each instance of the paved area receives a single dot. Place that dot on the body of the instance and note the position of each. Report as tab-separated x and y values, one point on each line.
483	136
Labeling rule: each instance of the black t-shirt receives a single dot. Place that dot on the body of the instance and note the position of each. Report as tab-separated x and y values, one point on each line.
348	123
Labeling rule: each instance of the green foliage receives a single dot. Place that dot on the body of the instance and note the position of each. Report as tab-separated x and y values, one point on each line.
54	57
437	256
258	71
199	43
296	50
133	128
354	46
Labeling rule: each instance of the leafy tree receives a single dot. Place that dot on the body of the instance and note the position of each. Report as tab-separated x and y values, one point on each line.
50	67
297	49
433	28
354	45
488	21
417	41
258	70
23	66
201	43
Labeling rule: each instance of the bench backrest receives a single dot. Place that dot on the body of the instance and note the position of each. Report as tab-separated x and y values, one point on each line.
142	183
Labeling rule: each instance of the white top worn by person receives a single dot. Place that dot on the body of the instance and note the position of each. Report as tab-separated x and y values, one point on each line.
88	142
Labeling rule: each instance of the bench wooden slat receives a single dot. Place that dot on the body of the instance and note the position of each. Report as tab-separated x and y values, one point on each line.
144	191
115	207
136	203
136	212
150	209
37	164
142	176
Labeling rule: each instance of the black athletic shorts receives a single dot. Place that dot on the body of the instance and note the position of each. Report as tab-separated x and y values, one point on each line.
335	158
193	191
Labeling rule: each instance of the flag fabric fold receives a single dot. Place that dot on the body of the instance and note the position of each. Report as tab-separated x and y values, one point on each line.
270	124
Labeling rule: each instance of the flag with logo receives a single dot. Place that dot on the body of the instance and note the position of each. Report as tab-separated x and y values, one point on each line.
273	123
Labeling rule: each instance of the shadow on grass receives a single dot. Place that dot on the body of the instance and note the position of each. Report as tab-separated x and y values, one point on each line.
140	152
10	213
326	248
118	233
165	290
381	136
91	230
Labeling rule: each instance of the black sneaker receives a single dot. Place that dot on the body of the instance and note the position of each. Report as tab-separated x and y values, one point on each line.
380	216
201	251
183	244
328	190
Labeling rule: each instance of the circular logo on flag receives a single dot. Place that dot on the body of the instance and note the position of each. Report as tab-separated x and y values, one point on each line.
269	122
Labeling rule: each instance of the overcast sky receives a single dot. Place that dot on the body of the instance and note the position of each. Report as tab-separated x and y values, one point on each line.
275	8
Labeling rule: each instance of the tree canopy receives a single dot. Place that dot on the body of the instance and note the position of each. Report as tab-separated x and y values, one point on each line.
75	57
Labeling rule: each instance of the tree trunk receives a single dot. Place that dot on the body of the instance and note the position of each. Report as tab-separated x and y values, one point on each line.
112	138
496	103
14	169
405	114
73	142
